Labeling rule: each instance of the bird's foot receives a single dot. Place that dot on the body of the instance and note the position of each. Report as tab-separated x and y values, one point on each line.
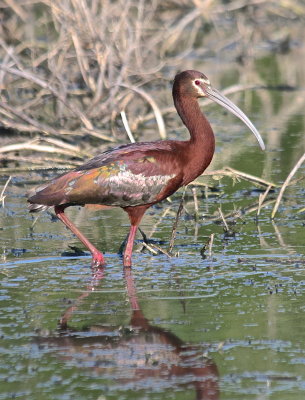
97	259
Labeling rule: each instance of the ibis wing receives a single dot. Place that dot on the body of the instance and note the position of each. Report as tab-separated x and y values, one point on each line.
115	183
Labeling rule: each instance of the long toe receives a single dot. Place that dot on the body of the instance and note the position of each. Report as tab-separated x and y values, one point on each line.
97	259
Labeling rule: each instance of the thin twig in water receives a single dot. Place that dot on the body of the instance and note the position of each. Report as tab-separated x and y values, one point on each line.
249	177
195	203
155	226
280	239
223	220
286	183
2	197
150	248
35	220
240	212
231	172
174	230
211	241
154	249
208	245
261	199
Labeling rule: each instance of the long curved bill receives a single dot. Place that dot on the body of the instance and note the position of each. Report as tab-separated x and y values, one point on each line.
219	98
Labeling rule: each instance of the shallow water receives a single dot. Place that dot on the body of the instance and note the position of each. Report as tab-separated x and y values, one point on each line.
228	325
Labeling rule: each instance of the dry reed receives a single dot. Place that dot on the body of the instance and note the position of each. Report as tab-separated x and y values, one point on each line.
70	67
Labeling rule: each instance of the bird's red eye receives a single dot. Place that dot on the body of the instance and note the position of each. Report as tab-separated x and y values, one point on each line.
197	82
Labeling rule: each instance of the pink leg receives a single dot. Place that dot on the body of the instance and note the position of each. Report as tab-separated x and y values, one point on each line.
129	245
137	320
97	276
135	215
97	256
131	290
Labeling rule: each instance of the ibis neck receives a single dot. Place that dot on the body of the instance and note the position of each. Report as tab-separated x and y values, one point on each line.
201	145
195	121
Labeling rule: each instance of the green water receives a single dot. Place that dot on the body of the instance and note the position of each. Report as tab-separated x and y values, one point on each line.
228	326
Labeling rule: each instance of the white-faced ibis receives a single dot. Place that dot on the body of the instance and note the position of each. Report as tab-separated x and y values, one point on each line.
136	176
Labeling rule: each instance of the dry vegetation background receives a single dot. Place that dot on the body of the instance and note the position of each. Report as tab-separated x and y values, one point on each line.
71	69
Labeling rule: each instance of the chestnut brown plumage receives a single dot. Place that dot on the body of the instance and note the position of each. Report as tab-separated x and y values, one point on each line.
136	176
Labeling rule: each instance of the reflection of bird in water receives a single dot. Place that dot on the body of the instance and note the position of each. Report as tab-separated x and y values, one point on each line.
139	175
141	355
